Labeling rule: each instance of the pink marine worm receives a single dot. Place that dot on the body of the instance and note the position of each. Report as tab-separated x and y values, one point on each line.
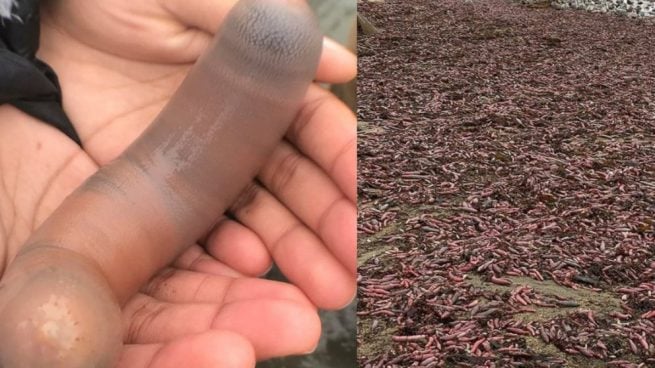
61	295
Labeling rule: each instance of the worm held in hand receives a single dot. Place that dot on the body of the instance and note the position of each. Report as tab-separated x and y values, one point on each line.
60	297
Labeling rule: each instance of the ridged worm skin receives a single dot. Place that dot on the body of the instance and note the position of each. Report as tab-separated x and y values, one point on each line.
60	297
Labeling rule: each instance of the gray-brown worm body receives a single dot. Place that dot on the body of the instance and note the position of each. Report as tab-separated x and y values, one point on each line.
59	299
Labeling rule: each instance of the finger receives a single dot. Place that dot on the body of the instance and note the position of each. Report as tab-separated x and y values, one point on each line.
310	194
298	326
211	349
338	64
326	131
179	286
298	252
290	328
238	247
196	259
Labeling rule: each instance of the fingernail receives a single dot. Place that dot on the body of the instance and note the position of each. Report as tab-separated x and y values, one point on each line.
350	301
312	350
267	270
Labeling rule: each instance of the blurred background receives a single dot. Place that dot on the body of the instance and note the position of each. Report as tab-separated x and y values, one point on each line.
338	21
337	347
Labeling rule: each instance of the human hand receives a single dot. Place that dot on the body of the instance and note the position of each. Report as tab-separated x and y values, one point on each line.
197	312
119	62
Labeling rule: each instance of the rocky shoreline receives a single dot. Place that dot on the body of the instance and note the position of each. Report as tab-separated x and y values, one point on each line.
630	8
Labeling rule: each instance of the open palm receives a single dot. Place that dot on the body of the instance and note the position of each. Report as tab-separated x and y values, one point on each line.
118	63
198	311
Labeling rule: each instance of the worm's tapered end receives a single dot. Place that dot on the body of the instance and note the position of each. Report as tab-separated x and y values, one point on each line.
279	38
57	312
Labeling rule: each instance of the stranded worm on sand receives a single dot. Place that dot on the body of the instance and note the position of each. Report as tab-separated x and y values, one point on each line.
60	297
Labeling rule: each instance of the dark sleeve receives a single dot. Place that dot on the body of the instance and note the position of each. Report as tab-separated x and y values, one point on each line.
25	81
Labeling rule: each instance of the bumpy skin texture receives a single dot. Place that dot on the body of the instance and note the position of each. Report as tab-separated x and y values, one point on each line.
60	298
